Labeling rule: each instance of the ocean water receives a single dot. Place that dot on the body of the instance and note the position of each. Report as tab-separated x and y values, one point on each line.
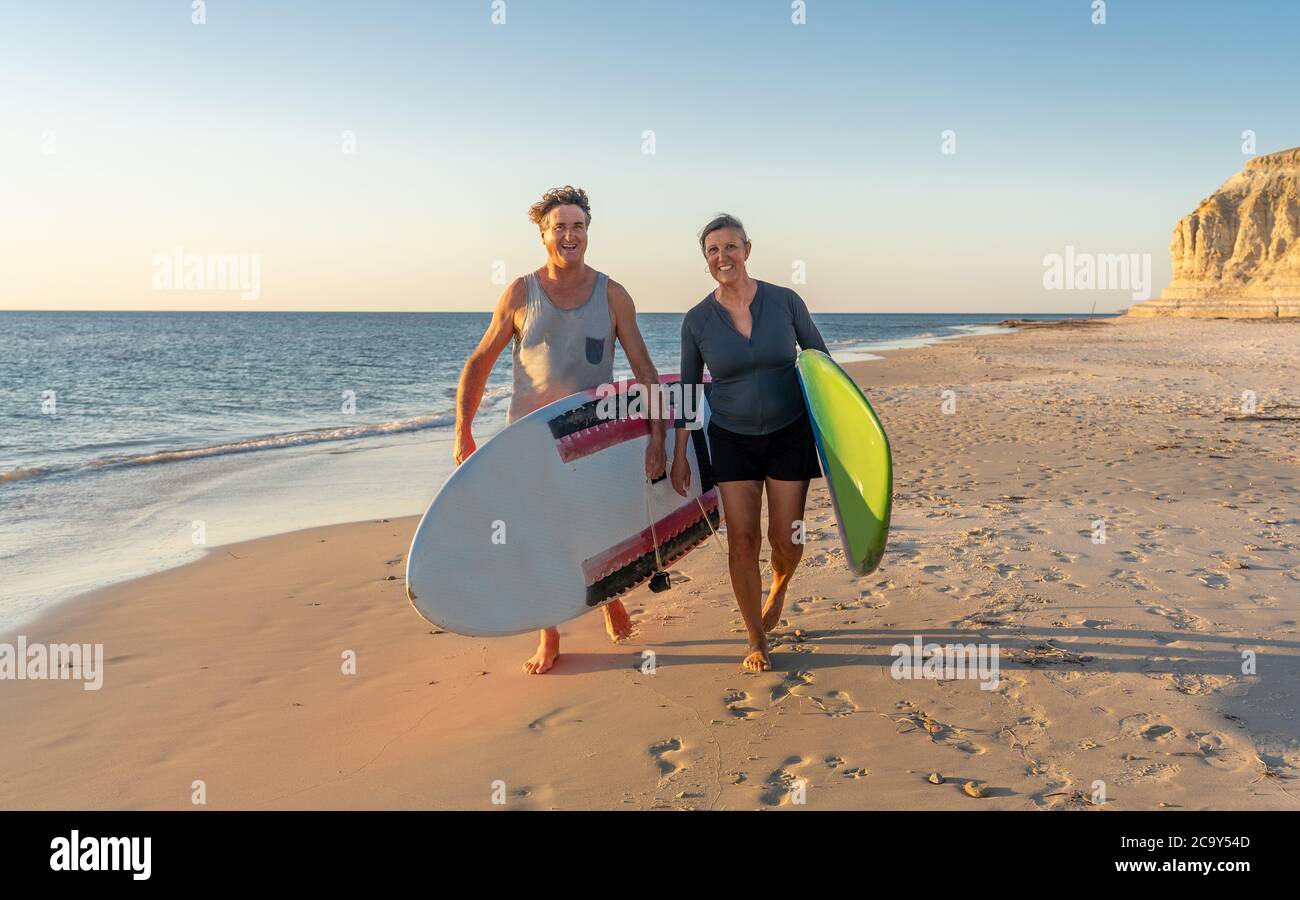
131	442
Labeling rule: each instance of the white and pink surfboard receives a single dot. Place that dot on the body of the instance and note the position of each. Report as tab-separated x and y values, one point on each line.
547	519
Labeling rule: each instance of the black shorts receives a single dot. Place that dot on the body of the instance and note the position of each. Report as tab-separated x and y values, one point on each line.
787	454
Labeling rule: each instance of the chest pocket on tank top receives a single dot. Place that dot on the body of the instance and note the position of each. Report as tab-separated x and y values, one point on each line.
595	350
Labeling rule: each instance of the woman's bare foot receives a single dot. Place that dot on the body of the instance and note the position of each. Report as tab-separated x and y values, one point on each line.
758	660
618	622
772	608
547	651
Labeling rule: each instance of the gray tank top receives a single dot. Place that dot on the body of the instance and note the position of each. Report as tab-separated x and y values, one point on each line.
561	351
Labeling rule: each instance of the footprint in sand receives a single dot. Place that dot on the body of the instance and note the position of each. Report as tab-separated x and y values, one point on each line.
1130	579
1148	726
1005	570
793	647
1076	620
1213	749
790	640
1178	618
661	752
1195	684
792	682
1279	752
1150	772
910	718
797	607
1217	580
784	783
836	704
870	599
735	701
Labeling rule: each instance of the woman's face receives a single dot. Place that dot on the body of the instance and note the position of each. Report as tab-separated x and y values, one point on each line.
726	252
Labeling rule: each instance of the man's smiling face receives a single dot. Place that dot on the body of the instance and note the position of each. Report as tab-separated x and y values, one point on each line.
565	235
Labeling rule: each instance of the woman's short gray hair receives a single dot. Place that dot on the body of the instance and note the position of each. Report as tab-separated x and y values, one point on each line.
723	220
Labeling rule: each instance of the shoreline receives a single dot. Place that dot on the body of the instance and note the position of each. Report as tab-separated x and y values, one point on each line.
1120	663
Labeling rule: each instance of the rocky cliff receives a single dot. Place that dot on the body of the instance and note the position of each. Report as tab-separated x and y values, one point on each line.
1238	255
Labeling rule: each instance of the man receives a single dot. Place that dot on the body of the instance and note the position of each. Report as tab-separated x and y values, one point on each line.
563	318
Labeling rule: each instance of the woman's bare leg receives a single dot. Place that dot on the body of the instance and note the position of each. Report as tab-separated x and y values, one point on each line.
785	506
742	504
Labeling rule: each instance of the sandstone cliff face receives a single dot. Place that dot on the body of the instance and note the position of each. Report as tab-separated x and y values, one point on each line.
1239	254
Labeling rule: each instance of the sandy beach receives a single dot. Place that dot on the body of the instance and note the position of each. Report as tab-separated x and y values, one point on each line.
1121	662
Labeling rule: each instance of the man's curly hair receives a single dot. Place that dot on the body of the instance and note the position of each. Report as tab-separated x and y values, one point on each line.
561	196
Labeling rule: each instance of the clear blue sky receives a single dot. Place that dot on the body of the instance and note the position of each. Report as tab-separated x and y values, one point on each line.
824	138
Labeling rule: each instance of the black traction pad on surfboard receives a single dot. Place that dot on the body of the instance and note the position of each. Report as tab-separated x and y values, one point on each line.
637	571
580	418
641	568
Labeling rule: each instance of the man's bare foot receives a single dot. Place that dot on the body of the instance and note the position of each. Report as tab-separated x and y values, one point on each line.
547	650
617	621
758	660
772	609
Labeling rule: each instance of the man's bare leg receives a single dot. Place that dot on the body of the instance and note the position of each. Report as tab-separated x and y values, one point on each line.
617	621
547	650
743	503
785	506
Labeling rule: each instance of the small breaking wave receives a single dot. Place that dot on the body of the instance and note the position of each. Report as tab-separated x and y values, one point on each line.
21	474
249	445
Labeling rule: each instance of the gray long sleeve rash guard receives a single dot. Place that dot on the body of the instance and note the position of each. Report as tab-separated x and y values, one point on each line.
755	389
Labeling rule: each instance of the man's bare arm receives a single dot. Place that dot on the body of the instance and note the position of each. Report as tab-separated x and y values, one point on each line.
629	336
473	378
643	368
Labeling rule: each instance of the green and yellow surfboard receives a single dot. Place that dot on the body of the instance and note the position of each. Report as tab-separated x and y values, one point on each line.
855	458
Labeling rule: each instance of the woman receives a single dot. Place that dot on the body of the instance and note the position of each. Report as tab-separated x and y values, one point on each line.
759	433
